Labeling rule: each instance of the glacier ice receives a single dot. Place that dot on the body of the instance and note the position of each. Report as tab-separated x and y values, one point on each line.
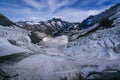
55	58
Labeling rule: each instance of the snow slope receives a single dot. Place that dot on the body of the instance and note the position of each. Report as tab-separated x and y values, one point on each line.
14	34
95	52
58	59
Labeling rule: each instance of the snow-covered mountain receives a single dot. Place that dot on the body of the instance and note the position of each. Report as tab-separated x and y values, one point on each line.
107	19
102	18
57	27
64	51
50	26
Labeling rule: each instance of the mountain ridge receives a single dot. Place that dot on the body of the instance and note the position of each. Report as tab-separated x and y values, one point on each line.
56	26
4	21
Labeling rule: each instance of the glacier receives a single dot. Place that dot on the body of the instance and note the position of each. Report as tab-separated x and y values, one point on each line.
95	52
57	58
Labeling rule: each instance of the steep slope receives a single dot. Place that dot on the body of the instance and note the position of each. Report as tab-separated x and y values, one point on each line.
13	40
4	21
102	18
107	19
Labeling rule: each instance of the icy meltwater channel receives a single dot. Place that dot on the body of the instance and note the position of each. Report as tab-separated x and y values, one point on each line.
55	58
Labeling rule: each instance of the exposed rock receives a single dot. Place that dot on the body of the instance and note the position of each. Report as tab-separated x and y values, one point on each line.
54	27
36	36
5	76
13	42
4	21
107	74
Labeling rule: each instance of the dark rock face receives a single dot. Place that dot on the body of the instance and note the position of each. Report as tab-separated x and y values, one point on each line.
13	42
4	21
107	74
106	23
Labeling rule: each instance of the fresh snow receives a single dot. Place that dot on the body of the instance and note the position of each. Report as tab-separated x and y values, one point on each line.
55	58
7	49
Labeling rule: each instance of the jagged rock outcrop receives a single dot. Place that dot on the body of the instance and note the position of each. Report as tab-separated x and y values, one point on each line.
51	26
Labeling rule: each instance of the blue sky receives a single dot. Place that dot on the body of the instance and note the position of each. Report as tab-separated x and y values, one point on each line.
42	10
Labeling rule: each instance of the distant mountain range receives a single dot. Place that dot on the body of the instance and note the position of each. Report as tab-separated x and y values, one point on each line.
57	27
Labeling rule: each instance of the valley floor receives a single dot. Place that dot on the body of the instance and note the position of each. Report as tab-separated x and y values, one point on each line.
53	67
92	55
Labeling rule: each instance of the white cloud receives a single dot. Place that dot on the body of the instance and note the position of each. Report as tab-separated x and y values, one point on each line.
9	4
56	4
51	5
35	4
68	14
72	15
75	15
101	2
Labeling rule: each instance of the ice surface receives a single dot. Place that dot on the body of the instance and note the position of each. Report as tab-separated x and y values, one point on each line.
7	49
56	58
8	33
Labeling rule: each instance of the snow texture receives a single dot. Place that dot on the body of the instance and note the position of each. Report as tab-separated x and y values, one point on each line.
58	59
95	52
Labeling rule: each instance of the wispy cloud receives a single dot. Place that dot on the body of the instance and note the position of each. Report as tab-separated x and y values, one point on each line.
75	15
38	10
9	4
53	5
68	14
35	4
101	2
